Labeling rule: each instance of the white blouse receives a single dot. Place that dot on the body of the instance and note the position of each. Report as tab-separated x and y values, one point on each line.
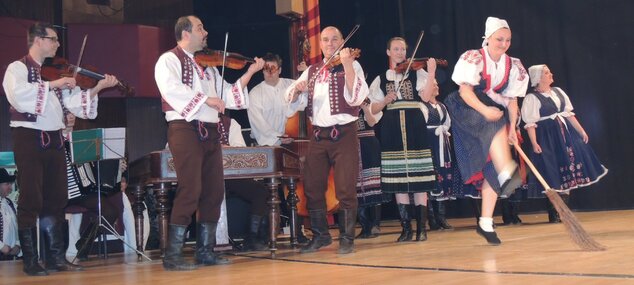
471	64
445	126
376	93
531	106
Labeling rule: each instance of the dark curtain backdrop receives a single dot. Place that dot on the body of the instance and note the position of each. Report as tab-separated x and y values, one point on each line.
587	44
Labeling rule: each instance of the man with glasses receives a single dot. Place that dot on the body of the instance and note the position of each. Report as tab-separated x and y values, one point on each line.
37	112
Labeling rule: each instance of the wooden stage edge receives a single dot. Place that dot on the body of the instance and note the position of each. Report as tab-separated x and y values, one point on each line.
535	252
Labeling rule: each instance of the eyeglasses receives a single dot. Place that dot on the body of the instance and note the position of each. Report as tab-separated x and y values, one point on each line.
53	39
270	68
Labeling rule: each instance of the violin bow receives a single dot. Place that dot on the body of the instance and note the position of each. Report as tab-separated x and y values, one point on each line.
224	61
81	54
409	64
354	30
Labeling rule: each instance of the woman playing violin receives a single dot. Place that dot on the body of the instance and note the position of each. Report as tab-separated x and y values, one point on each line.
332	96
38	109
406	158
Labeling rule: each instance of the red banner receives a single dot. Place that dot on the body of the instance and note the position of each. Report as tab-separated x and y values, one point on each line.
312	30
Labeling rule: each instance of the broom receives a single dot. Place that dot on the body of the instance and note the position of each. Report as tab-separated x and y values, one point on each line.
576	232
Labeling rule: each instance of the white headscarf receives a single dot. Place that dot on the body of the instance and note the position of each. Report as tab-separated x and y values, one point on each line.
493	24
535	73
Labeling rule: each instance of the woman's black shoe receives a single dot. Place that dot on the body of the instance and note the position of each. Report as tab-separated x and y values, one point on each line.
491	237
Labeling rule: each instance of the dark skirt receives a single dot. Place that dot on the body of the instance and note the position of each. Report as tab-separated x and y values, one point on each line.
473	135
566	162
369	182
406	157
445	172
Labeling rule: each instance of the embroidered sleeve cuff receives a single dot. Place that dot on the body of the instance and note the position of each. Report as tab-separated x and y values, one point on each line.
193	105
355	97
238	95
42	96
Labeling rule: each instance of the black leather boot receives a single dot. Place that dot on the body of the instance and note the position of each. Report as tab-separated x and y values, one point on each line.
431	216
421	217
507	219
319	227
205	242
347	221
406	223
173	259
56	253
28	242
253	242
301	238
366	224
376	220
84	244
441	218
515	211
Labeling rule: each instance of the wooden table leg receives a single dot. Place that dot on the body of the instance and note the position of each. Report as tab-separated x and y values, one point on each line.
163	207
274	212
138	208
292	201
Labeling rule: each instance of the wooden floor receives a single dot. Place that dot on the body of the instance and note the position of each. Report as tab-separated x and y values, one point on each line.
532	253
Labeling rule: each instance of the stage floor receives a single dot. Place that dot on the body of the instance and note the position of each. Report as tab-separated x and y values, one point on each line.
532	253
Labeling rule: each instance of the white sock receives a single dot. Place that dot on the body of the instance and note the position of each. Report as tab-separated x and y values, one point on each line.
486	224
505	174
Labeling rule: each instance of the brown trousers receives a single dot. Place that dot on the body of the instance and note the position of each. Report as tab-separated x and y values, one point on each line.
343	155
42	180
198	166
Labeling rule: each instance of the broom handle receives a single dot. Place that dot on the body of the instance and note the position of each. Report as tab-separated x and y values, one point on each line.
532	167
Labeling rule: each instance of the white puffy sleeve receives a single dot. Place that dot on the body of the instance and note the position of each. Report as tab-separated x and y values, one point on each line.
530	111
468	68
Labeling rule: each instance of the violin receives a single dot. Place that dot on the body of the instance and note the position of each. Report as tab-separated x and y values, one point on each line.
419	63
209	58
55	68
336	60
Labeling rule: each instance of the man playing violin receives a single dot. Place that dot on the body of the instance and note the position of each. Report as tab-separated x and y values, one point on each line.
37	111
332	96
192	101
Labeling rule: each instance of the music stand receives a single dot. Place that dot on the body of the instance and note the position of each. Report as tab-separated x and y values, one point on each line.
96	145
